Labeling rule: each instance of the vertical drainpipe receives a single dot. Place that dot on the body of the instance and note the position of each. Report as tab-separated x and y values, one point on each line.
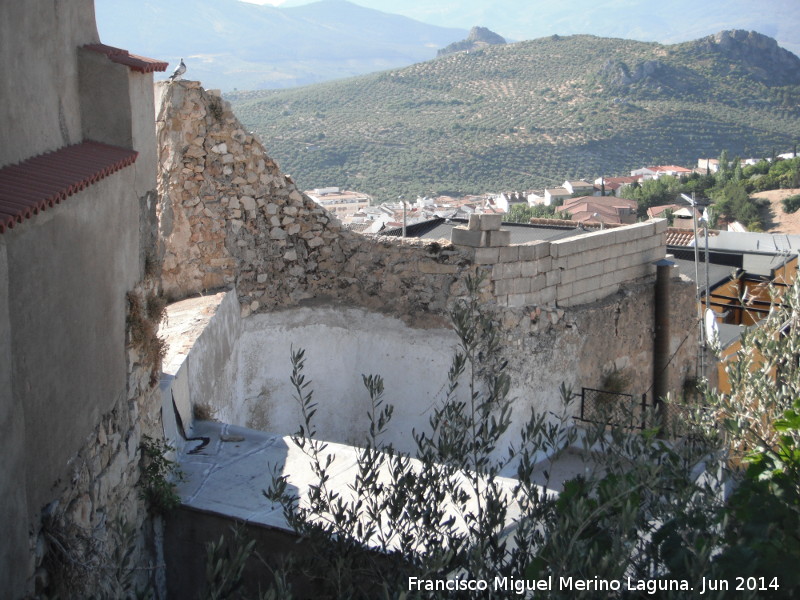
661	335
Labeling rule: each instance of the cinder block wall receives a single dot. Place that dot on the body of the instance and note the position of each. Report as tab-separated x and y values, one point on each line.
578	270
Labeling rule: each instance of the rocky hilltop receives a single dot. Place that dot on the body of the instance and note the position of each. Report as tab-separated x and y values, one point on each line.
479	37
759	55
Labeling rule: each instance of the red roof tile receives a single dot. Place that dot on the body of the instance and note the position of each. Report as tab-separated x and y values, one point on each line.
123	57
40	182
684	237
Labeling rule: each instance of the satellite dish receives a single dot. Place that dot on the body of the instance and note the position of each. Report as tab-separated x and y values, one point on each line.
712	328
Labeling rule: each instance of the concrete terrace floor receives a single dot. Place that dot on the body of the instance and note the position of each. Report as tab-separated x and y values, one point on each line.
229	475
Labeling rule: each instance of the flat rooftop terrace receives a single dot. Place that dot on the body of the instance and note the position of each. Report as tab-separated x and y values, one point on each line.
227	475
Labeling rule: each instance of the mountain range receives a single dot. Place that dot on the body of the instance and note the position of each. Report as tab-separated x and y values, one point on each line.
666	22
231	44
532	114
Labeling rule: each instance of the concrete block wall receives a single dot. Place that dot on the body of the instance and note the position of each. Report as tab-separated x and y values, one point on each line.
573	271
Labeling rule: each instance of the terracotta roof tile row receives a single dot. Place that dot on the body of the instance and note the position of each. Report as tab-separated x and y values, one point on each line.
682	237
132	61
40	182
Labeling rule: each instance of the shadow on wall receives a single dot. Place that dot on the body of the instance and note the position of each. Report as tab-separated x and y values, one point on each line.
240	373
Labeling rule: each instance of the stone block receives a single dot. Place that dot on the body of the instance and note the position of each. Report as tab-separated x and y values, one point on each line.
461	236
546	296
539	282
610	265
512	270
553	277
495	238
521	285
534	250
474	223
637	231
585	298
529	268
604	253
509	254
608	280
578	260
486	256
568	275
589	271
563	292
520	300
490	222
503	287
583	286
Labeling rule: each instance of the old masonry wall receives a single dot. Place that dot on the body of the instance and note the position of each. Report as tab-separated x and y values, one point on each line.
572	311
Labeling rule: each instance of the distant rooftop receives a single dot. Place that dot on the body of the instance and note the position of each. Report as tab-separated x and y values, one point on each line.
437	229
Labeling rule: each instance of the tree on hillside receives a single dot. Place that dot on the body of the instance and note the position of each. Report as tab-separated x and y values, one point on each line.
732	201
653	192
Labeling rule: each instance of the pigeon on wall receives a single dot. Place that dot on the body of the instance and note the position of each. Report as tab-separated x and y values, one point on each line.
179	70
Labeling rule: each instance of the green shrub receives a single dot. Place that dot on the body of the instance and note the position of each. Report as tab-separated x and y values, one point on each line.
791	203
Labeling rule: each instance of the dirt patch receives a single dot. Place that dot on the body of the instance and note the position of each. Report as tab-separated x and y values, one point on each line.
775	219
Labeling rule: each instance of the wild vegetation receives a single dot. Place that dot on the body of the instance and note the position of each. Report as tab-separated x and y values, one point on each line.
712	496
526	115
727	192
522	213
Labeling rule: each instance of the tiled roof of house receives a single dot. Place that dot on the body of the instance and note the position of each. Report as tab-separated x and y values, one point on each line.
601	202
132	61
40	182
673	168
558	191
678	210
683	237
589	207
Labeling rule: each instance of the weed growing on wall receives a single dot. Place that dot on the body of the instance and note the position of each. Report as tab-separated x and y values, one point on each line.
158	475
145	314
84	564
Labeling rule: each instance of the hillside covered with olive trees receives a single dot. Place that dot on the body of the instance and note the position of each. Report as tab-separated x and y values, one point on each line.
530	114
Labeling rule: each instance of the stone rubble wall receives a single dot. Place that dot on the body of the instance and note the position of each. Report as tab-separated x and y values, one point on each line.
230	217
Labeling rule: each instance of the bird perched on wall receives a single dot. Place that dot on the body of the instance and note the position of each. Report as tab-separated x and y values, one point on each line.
179	70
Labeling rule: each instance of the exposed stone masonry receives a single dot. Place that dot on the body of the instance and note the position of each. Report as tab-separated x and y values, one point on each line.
230	217
78	544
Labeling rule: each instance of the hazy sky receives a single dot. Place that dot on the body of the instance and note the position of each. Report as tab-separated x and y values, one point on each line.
669	22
